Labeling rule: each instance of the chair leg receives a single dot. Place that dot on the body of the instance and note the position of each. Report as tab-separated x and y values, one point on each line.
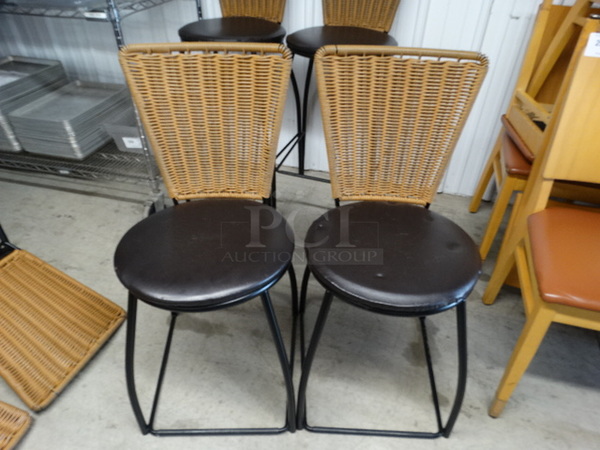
434	394
285	365
129	367
310	356
303	293
531	337
129	364
302	141
294	288
148	427
458	399
486	176
506	191
461	330
287	149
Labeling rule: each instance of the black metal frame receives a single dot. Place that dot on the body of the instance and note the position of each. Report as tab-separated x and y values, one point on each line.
286	365
308	357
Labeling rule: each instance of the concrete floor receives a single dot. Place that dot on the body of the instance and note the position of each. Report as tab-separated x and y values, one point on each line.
224	372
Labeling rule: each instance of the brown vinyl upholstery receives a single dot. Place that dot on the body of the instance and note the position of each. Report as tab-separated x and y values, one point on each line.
562	239
514	162
241	21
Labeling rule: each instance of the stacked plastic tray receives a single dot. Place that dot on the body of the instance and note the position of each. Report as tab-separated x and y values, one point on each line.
22	80
67	123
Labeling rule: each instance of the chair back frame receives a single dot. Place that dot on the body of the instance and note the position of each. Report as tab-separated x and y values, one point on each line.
392	117
212	113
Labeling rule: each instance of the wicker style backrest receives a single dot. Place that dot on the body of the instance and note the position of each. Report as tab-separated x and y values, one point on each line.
374	14
392	117
212	113
263	9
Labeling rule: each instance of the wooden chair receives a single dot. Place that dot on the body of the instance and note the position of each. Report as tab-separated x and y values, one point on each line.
510	169
565	47
212	113
557	248
543	70
392	117
241	21
353	22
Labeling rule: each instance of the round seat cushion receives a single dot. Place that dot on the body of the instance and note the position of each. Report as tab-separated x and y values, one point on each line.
204	254
307	41
237	29
393	258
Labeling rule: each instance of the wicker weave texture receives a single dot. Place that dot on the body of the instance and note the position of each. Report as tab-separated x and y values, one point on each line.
14	422
263	9
392	117
212	113
50	326
374	14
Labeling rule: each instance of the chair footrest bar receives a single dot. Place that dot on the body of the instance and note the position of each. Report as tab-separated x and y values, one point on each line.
219	431
371	432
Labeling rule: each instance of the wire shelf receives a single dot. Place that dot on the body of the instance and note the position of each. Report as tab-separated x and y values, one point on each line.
126	8
108	163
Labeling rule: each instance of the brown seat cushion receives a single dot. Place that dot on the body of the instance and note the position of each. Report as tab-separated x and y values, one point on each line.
392	258
514	161
566	253
520	143
307	41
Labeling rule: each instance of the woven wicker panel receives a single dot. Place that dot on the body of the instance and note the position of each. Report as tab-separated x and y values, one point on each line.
14	422
392	117
263	9
374	14
50	326
212	113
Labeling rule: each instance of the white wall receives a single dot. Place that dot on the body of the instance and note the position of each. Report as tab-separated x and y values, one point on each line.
498	28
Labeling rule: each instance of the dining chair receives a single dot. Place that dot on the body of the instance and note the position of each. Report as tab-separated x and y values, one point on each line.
247	21
346	22
558	246
52	325
241	21
510	164
391	117
212	113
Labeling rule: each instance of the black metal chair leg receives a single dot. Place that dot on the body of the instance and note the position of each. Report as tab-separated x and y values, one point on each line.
299	123
295	140
129	367
442	431
285	366
294	288
303	293
163	369
314	342
129	364
302	141
434	394
461	328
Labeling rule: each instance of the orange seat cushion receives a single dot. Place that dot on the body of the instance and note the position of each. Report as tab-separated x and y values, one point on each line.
519	142
514	161
565	244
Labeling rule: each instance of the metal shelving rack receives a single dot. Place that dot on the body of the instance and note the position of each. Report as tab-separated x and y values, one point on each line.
108	163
